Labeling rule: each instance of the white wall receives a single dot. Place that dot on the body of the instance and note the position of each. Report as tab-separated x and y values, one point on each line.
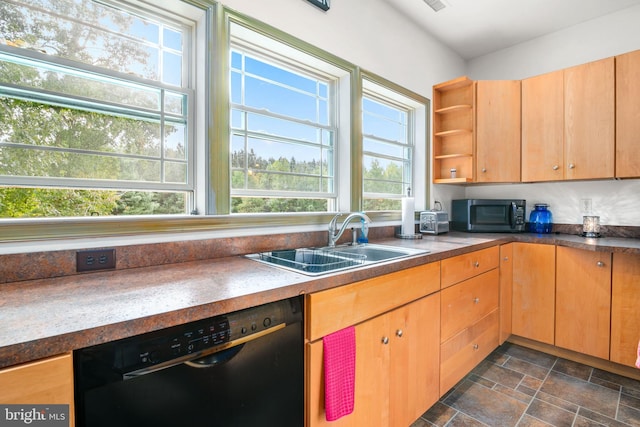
617	202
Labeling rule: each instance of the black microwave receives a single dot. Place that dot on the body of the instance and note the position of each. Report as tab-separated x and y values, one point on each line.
488	215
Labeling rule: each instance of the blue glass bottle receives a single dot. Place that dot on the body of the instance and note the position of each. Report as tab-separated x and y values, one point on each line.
540	220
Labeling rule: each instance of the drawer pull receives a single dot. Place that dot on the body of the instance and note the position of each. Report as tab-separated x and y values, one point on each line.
476	264
399	333
600	264
555	167
476	346
385	340
476	300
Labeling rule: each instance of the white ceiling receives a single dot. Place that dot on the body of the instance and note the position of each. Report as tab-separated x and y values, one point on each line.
476	27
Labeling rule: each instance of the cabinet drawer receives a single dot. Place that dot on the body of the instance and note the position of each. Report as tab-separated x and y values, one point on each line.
334	309
462	267
467	302
460	354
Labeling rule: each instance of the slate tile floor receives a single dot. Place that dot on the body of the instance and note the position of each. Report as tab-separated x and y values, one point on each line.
516	386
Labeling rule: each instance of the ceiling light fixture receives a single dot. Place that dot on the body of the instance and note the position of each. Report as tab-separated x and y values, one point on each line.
436	5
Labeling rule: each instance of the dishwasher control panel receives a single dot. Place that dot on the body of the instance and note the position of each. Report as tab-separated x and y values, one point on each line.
184	342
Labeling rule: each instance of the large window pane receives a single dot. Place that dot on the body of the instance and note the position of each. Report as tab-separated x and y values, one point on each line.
93	105
282	143
388	153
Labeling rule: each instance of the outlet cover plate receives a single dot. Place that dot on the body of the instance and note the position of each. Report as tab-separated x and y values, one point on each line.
95	259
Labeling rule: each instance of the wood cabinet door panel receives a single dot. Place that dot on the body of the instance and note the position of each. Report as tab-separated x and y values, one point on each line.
625	308
47	381
371	383
543	127
498	131
415	360
628	115
583	301
590	120
534	267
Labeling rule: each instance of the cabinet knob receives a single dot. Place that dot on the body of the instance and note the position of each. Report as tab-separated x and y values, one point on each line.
385	340
572	166
476	346
399	333
555	167
476	300
600	264
476	264
506	258
484	169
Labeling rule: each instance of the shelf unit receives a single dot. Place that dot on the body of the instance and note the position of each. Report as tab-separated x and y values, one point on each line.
453	131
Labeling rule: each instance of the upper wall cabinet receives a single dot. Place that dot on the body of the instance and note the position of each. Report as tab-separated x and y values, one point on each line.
453	125
498	131
543	127
589	120
476	131
628	115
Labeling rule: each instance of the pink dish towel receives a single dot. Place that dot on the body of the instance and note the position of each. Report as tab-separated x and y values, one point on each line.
339	373
638	359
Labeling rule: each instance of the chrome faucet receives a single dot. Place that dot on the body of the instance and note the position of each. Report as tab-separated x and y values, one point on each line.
333	236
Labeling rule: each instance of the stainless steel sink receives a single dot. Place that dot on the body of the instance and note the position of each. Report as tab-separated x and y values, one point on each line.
318	261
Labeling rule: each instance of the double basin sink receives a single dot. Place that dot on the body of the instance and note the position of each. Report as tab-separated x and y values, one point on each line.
319	261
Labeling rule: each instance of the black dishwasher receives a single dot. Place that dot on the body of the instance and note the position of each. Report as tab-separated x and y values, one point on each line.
245	368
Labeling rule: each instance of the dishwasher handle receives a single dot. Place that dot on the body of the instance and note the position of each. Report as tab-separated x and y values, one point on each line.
230	349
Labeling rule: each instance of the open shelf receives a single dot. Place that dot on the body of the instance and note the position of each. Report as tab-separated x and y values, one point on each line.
453	131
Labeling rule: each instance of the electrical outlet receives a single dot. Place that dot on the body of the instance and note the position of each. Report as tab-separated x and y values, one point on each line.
585	206
95	259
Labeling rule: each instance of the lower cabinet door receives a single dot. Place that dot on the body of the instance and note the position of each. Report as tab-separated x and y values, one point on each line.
414	362
625	312
371	385
583	301
397	368
534	285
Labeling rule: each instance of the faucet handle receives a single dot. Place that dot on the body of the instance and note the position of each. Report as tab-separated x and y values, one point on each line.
334	221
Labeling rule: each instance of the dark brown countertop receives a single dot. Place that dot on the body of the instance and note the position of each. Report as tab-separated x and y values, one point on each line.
45	317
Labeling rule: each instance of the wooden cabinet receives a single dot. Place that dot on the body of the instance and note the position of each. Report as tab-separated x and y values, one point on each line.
469	314
498	131
568	123
543	127
397	366
628	115
589	120
476	130
506	292
453	126
583	301
534	267
625	308
48	381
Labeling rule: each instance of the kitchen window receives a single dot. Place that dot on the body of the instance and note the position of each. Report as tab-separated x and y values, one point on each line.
187	109
96	109
391	121
284	138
